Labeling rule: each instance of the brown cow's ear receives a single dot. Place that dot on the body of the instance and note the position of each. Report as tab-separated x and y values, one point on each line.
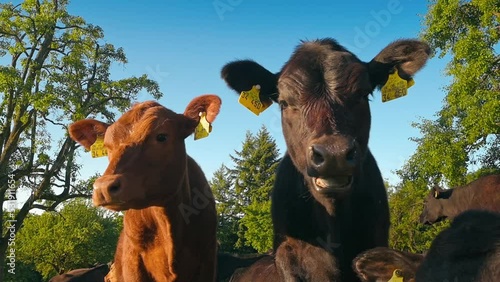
407	56
85	131
209	104
243	75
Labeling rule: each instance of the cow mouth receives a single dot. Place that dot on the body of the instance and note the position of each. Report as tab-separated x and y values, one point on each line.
332	184
115	206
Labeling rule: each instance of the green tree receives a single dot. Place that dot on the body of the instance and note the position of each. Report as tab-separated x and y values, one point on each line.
466	134
227	214
56	71
405	204
463	142
78	236
243	195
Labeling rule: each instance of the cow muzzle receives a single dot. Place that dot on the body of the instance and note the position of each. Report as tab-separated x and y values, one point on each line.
108	192
332	167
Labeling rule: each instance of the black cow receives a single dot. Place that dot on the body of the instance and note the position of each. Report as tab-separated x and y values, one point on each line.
482	193
329	202
468	251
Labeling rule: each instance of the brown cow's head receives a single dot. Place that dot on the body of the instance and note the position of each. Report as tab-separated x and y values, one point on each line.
323	93
433	205
146	152
379	264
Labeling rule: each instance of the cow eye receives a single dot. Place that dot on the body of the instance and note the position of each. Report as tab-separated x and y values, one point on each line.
283	104
161	137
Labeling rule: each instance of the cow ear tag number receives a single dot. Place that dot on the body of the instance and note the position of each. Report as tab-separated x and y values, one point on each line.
395	87
203	128
251	100
97	149
396	276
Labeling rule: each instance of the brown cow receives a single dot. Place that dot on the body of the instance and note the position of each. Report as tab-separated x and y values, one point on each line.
169	231
329	202
379	264
94	274
482	193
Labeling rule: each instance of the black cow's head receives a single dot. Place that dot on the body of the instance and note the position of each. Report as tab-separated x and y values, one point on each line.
323	93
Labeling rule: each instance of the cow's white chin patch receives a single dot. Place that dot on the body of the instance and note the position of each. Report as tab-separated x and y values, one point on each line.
336	184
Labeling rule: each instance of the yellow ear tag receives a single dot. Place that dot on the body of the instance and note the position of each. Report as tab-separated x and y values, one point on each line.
395	87
251	100
97	149
396	276
203	128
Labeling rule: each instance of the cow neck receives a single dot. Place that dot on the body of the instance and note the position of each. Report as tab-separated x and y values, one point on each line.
156	224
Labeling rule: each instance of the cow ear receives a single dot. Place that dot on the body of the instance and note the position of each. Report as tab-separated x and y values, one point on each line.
243	75
435	192
209	104
85	131
407	56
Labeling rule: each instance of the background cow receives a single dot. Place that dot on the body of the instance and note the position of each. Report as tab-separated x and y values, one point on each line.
329	202
483	193
94	274
468	251
228	263
378	264
170	223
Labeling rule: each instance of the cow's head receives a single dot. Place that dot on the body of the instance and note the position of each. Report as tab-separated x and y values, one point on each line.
323	93
381	264
146	152
433	205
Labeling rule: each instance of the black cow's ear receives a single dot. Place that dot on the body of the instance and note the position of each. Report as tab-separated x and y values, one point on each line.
435	192
406	56
244	74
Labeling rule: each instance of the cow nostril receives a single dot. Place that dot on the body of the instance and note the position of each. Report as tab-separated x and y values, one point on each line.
317	156
114	188
351	155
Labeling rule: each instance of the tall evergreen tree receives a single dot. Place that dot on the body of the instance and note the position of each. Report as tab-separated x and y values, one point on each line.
243	194
227	214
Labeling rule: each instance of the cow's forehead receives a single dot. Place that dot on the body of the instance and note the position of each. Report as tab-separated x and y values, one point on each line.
318	65
135	124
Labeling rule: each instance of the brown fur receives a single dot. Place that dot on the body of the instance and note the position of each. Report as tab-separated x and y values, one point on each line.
378	264
170	218
483	193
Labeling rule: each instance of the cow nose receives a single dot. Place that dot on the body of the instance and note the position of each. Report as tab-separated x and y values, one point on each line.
318	155
323	161
108	185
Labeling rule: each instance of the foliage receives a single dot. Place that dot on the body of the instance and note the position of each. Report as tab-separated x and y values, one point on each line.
466	134
56	70
406	204
24	273
463	142
76	237
243	195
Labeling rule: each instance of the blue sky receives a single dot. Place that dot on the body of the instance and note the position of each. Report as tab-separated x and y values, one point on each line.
184	44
